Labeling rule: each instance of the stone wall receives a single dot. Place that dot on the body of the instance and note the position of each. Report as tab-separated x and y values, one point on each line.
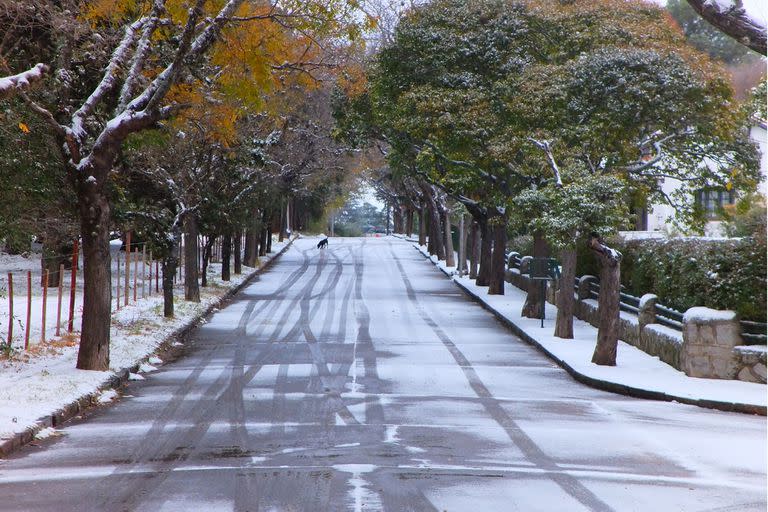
709	338
710	345
750	363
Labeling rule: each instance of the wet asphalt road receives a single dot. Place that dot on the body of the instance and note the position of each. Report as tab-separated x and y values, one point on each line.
359	378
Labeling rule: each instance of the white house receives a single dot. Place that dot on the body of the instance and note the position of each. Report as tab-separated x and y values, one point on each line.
655	219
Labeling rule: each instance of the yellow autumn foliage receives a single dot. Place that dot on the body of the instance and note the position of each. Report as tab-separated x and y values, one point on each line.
255	66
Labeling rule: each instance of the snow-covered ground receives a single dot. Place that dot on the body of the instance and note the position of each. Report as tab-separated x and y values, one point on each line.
634	368
42	380
145	285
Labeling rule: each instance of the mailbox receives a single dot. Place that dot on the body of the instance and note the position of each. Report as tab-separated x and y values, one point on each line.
543	270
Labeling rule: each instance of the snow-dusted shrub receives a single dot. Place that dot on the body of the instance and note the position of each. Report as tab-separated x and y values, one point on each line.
720	274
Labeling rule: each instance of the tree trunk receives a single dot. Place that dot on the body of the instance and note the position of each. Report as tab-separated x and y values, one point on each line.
237	248
484	272
607	303
207	252
97	276
283	221
450	257
226	255
268	236
422	226
430	235
474	249
498	257
436	244
409	222
170	262
532	306
252	243
263	241
461	266
435	233
249	246
191	287
565	301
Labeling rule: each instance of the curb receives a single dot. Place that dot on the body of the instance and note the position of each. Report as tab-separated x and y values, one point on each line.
120	377
600	384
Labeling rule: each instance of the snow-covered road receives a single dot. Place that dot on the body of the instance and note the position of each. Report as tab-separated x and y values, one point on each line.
360	378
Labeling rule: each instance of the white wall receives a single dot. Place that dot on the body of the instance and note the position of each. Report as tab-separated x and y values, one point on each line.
760	135
659	213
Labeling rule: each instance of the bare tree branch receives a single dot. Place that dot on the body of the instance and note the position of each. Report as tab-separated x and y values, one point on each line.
109	79
546	147
11	85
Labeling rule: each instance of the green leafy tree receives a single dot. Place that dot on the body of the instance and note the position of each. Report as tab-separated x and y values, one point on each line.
488	99
586	204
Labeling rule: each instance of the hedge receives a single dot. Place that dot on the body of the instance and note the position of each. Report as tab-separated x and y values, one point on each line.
720	274
687	272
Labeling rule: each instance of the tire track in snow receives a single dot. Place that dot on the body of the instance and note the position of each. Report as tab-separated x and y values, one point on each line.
492	406
244	496
161	456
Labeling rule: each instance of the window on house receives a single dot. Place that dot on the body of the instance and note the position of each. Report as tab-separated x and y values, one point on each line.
712	202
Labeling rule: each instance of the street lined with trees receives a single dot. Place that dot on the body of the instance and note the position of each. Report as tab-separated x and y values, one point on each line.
156	113
520	111
175	141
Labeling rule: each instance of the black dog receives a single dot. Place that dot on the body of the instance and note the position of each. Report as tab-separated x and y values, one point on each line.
322	243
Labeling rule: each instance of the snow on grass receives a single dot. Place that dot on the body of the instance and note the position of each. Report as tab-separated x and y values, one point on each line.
38	382
634	368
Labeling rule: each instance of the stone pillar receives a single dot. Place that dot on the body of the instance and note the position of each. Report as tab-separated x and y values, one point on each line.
508	274
709	337
511	259
525	268
525	264
583	291
646	314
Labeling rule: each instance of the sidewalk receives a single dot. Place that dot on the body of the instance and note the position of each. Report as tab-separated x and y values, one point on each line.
636	373
41	389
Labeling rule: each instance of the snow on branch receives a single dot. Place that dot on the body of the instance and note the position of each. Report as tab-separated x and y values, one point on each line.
610	255
116	129
143	48
11	85
732	19
658	148
211	32
546	147
109	80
